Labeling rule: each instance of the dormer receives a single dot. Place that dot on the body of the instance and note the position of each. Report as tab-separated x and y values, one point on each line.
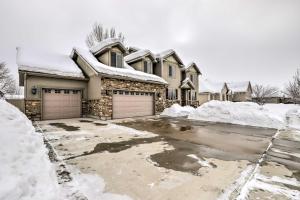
110	52
141	60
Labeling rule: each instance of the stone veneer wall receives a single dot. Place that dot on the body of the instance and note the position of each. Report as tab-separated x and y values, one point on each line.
103	107
33	109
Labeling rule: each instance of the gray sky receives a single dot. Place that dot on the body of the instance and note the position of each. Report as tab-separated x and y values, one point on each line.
231	40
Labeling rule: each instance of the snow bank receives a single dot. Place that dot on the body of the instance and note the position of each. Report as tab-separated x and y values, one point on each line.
177	111
25	170
92	187
243	113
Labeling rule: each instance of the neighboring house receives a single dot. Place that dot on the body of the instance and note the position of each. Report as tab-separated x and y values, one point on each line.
182	80
96	82
278	97
240	91
211	90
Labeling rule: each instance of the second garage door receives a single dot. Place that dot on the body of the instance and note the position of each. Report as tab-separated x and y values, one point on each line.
60	104
132	104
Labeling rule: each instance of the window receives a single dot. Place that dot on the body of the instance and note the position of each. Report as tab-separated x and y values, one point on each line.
116	59
47	90
193	77
194	95
57	91
171	94
75	91
148	67
66	91
172	71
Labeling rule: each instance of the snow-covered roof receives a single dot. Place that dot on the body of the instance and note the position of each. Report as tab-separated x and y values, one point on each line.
192	64
138	54
168	53
107	43
206	85
48	63
126	72
187	83
238	86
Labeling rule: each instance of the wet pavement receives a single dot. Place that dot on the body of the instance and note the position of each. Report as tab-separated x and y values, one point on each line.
200	154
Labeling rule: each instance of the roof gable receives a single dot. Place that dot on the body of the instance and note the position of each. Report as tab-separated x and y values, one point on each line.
121	73
168	53
239	86
138	55
192	65
206	85
107	44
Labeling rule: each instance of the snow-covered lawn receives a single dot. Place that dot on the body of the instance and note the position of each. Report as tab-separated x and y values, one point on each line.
244	113
26	172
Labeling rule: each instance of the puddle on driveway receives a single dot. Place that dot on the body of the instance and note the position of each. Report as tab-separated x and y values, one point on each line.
85	121
65	127
99	124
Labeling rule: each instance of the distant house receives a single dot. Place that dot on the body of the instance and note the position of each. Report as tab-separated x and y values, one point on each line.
278	97
212	90
239	91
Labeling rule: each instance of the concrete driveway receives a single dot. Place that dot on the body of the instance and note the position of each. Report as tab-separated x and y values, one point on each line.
162	158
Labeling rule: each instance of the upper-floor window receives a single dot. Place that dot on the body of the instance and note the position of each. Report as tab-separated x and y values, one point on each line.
116	59
171	71
148	67
193	77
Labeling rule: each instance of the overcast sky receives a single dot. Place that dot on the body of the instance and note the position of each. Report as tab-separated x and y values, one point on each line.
230	40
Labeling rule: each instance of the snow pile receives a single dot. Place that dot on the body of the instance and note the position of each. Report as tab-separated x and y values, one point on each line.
25	170
92	187
49	63
244	113
114	71
177	111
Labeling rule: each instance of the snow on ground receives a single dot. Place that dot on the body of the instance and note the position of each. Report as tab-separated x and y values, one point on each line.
244	113
25	169
177	111
26	172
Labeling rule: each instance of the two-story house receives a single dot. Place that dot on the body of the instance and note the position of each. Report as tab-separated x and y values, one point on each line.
94	82
182	80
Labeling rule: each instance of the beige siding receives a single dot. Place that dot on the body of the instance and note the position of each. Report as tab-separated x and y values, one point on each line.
105	58
94	87
139	65
85	67
203	98
174	82
192	71
45	82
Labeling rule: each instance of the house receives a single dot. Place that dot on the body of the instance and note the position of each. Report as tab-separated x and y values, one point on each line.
277	97
96	82
240	91
182	79
212	90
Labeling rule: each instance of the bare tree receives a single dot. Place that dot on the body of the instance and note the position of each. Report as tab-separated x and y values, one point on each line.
106	35
98	34
260	92
121	37
112	32
293	87
7	83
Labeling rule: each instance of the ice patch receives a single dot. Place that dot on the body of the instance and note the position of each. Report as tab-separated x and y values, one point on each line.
203	163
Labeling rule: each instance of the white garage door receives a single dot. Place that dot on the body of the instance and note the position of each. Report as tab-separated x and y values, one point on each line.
132	104
61	104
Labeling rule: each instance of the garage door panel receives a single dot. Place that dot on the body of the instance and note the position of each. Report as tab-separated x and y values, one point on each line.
61	105
132	105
